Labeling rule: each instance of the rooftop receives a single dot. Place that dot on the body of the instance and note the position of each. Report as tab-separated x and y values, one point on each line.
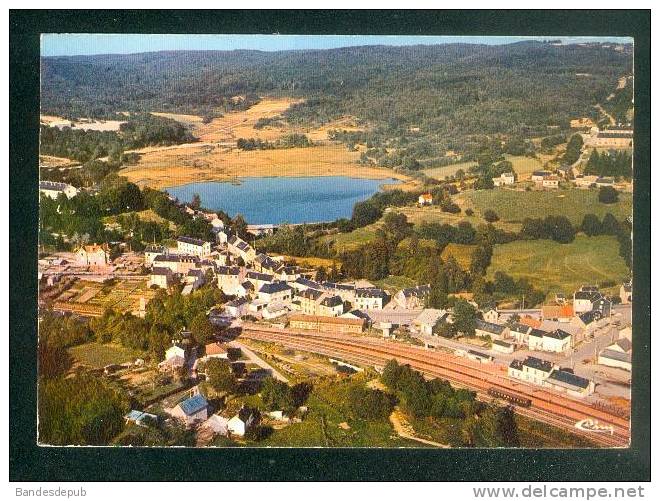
191	240
568	379
193	405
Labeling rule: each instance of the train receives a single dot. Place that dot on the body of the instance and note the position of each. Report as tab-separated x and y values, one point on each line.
510	397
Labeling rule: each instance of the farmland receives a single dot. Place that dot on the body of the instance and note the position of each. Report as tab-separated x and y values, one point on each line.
97	356
513	206
123	295
551	266
523	166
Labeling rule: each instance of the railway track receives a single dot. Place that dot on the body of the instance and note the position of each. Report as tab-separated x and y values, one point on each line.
546	407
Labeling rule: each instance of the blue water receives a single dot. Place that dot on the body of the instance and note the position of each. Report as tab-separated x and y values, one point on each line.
275	200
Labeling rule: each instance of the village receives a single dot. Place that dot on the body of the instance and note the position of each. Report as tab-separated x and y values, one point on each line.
578	346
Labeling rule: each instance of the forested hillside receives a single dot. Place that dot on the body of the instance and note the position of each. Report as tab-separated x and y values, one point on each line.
433	96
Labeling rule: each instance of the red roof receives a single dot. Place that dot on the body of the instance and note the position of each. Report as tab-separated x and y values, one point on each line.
215	349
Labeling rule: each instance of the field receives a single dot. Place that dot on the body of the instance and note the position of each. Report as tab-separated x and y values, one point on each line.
59	162
513	206
433	214
523	166
96	355
551	266
461	253
314	262
123	296
394	283
193	163
99	125
353	239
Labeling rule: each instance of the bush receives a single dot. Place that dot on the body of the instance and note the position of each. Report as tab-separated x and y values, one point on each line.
365	403
491	216
469	212
608	195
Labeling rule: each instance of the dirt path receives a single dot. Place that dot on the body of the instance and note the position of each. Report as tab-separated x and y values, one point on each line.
254	358
404	430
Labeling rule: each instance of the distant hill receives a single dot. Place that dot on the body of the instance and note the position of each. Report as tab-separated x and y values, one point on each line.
443	92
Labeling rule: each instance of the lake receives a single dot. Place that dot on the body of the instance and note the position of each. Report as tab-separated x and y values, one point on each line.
275	200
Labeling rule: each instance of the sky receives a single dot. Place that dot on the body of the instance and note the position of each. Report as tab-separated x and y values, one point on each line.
87	44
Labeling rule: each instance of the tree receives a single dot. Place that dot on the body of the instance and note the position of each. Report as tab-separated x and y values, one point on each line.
201	329
610	225
365	213
491	216
220	376
573	149
608	195
465	316
365	403
196	201
396	226
277	395
591	225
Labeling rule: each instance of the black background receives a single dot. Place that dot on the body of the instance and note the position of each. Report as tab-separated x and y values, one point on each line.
28	462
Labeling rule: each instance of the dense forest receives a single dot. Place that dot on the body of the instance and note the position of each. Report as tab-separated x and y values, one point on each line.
423	98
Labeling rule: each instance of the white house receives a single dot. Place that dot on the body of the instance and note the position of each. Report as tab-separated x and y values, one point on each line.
241	248
93	255
229	279
243	421
237	307
331	306
506	178
193	246
425	199
192	410
502	346
370	299
413	297
429	321
557	341
539	175
258	279
618	354
491	316
160	277
532	369
52	189
217	423
550	182
567	382
495	331
276	291
177	263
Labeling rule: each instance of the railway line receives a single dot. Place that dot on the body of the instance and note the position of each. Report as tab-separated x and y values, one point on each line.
560	411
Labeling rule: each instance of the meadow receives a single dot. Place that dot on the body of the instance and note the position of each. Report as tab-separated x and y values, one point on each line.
554	267
97	355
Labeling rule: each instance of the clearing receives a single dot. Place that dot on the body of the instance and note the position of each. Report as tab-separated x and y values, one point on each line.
523	166
551	266
97	355
460	252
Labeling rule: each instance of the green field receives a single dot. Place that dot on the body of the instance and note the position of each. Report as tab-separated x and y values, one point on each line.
394	283
551	266
98	355
356	238
433	214
514	206
523	166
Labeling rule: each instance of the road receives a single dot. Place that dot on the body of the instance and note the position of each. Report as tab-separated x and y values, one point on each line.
255	359
547	406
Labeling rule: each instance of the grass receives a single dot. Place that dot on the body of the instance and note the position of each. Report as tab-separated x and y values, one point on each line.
394	283
551	266
460	252
321	426
314	262
433	214
353	239
123	296
572	203
97	355
522	165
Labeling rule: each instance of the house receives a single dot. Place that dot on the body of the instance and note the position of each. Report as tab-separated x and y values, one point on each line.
140	418
557	341
237	307
539	175
425	199
625	293
357	314
557	312
193	246
587	320
532	322
191	411
492	316
215	350
345	291
52	189
495	331
243	421
535	339
194	279
160	277
502	346
331	306
217	424
93	255
336	325
177	263
301	284
265	264
275	309
151	252
261	229
520	332
429	321
287	273
613	137
413	297
275	291
309	301
618	354
229	279
239	247
588	298
550	182
370	299
532	369
506	178
581	181
258	279
567	382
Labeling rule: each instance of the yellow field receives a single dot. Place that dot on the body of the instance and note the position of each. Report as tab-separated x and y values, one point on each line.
461	253
164	168
314	262
50	161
